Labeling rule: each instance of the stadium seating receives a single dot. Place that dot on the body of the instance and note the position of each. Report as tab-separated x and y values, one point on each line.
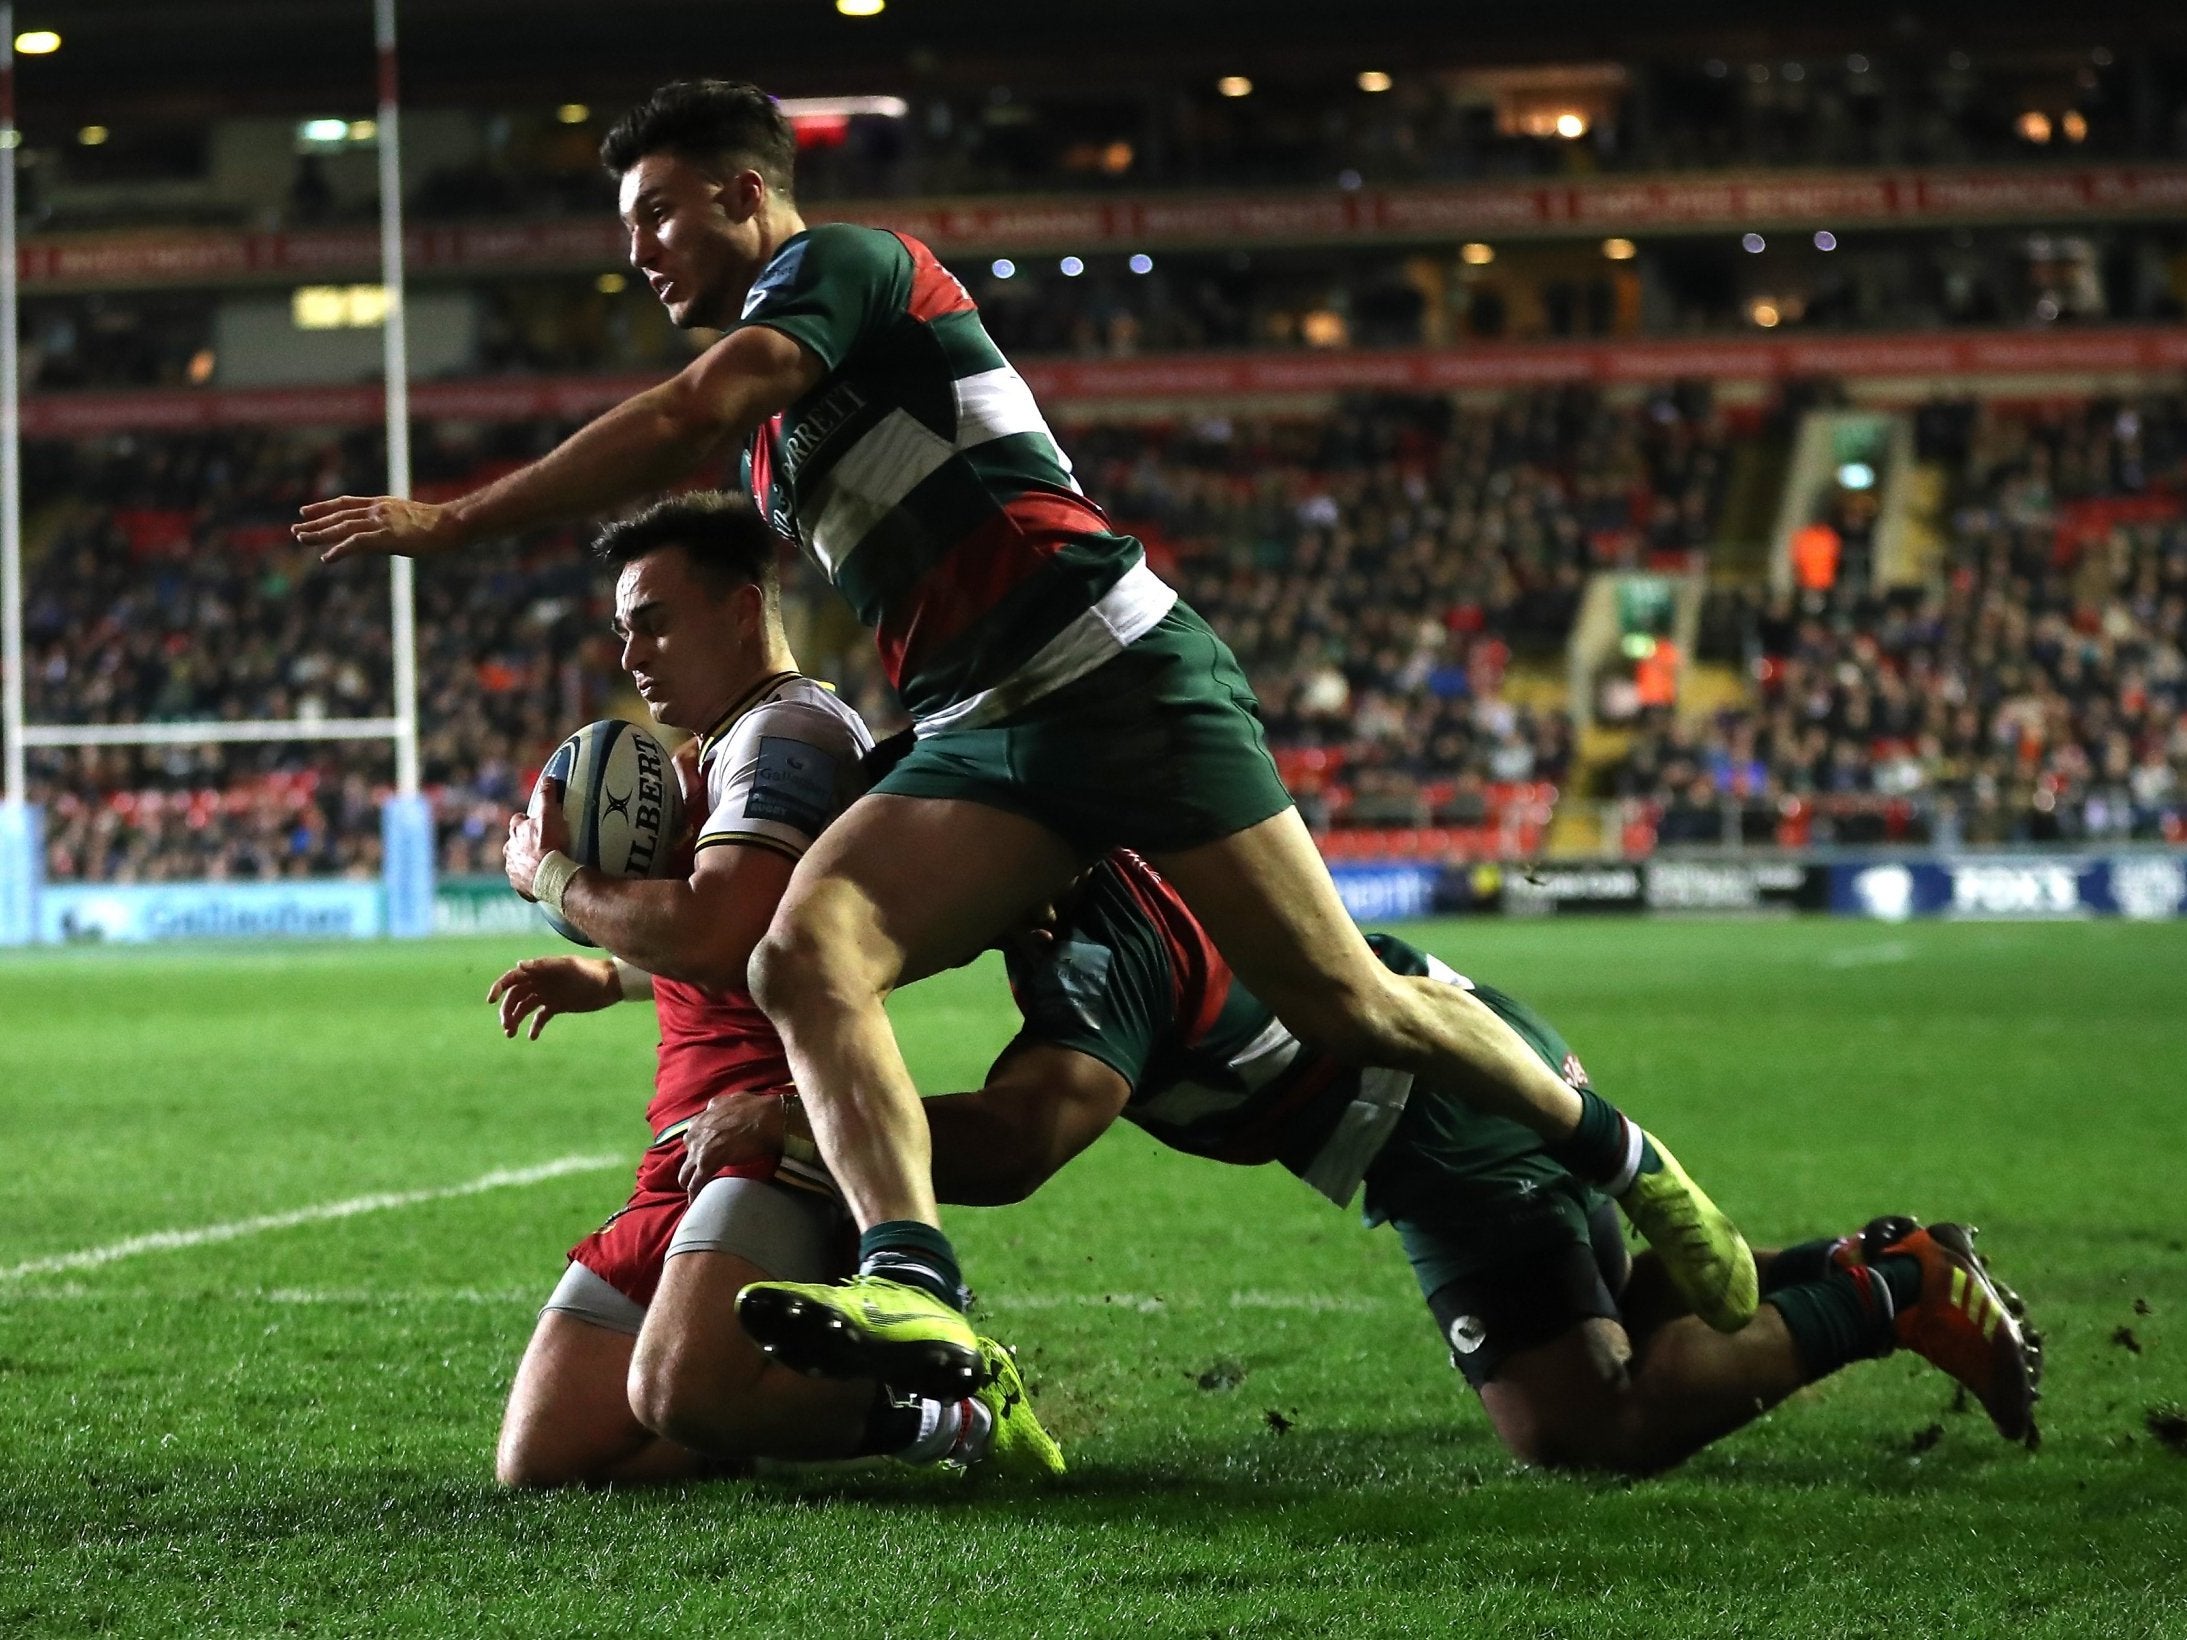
2035	691
1398	577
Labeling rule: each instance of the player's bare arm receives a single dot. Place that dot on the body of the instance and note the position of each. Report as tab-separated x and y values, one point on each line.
1040	1107
645	444
700	929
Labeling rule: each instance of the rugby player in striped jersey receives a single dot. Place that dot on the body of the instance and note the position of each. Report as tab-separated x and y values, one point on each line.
1066	703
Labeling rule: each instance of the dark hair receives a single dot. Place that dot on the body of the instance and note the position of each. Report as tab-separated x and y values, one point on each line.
707	121
723	535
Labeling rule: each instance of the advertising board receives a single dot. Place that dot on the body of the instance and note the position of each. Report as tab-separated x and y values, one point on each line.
2144	887
82	913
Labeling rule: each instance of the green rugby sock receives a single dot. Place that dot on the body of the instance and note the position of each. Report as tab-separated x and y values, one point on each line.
1608	1148
918	1255
1844	1317
1802	1262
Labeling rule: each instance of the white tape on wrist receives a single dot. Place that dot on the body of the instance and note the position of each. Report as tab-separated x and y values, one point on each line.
552	880
636	983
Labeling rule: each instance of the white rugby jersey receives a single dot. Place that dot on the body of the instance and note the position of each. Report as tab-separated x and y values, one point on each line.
781	764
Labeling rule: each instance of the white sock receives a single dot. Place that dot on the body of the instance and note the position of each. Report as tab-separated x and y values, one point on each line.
958	1432
1630	1171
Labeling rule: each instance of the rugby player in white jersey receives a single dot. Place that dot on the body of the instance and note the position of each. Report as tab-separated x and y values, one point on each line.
638	1369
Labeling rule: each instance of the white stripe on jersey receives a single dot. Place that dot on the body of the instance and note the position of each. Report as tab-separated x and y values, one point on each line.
871	481
1124	614
993	404
1264	1058
1438	969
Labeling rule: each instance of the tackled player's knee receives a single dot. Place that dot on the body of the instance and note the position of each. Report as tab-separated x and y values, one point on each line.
684	1398
661	1396
523	1467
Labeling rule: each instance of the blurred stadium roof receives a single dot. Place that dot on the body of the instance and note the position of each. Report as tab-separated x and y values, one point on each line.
220	56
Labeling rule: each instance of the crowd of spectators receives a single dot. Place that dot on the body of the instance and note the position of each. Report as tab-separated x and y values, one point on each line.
177	595
1377	570
2035	692
1388	573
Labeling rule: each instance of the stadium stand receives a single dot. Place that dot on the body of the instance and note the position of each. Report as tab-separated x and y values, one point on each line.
1377	569
178	595
1401	576
2033	691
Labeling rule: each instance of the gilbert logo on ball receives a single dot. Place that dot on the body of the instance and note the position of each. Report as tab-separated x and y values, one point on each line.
622	803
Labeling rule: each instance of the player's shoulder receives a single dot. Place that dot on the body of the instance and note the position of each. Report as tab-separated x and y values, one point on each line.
801	701
841	248
833	263
791	706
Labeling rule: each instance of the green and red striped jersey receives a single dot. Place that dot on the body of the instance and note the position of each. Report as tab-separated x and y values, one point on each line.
921	477
1132	979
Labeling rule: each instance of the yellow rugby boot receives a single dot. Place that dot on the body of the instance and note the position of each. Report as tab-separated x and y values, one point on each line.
1702	1251
1017	1448
866	1327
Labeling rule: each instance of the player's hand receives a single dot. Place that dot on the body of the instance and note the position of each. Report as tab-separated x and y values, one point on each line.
533	836
522	852
734	1130
354	526
541	987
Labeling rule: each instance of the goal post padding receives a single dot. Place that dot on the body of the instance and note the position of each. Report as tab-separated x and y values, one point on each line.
22	860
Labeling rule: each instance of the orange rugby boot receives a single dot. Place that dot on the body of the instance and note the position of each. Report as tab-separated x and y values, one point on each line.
1972	1326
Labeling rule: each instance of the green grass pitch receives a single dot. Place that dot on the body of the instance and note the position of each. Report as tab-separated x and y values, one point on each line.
289	1431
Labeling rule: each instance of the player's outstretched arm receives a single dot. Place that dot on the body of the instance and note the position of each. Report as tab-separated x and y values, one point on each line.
539	988
1041	1106
645	444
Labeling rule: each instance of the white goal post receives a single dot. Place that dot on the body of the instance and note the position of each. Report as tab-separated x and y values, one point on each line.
406	821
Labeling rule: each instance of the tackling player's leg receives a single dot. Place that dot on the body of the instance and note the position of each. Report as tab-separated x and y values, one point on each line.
1591	1395
1267	901
896	889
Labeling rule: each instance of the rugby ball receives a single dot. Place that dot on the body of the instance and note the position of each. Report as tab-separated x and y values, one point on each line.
621	797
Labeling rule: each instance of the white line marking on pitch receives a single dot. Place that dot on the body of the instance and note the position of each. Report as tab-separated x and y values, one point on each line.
1870	956
76	1292
167	1241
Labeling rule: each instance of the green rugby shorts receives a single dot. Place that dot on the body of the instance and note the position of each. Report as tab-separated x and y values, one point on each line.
1159	748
